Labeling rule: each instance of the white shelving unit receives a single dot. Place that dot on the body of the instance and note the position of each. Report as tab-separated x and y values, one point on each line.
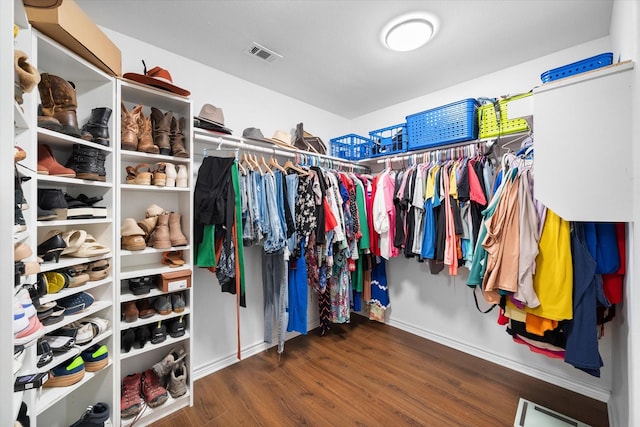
133	201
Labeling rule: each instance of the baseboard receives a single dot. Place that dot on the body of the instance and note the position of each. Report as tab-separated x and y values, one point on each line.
246	352
572	384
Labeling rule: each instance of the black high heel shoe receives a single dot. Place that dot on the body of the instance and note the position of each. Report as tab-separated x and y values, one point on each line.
51	248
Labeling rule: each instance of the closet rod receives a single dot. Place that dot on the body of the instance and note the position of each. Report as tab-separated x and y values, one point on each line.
241	145
443	148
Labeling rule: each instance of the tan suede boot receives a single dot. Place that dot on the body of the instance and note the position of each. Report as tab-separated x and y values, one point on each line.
28	76
160	239
175	230
129	127
161	130
145	138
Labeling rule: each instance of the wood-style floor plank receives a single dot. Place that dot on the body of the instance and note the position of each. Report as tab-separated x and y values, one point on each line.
370	374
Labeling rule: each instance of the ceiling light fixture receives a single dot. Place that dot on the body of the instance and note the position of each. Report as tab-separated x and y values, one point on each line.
409	32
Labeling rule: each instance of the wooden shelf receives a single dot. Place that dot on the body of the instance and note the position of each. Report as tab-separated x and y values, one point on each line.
70	291
57	139
150	347
145	188
94	308
153	319
66	261
148	270
153	292
154	251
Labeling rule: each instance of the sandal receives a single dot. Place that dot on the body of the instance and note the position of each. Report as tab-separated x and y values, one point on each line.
98	270
90	248
160	175
136	176
74	239
172	258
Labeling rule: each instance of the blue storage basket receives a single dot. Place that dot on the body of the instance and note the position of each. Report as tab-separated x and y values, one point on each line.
578	67
449	123
351	147
389	140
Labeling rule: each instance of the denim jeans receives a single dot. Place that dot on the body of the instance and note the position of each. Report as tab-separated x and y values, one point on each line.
274	286
246	184
275	239
280	199
292	192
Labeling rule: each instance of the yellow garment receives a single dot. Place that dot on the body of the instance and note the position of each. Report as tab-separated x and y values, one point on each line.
453	182
430	189
515	313
539	325
553	281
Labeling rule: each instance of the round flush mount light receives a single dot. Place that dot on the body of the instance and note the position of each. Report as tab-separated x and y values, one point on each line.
409	32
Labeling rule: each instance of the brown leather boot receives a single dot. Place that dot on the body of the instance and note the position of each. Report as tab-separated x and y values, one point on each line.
58	98
129	127
145	139
161	130
177	138
130	311
161	239
175	231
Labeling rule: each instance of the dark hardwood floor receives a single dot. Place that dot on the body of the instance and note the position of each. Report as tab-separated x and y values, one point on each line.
370	374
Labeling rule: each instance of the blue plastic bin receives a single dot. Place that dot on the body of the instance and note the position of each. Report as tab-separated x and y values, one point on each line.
389	140
578	67
351	147
449	123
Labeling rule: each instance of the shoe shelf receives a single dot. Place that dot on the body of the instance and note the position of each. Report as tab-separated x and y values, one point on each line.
70	261
139	187
137	156
148	96
126	295
92	309
148	270
153	319
53	180
154	251
71	291
48	397
73	352
149	347
154	414
75	222
19	119
57	139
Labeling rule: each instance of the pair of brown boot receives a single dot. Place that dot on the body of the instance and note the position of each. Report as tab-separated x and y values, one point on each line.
157	133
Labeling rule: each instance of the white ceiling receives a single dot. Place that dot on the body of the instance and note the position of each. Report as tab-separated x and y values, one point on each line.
332	56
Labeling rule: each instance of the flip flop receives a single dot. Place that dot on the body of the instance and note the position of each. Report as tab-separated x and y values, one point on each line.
74	239
172	258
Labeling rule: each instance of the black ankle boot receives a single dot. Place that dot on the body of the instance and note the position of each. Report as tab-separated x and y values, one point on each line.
102	172
84	161
98	125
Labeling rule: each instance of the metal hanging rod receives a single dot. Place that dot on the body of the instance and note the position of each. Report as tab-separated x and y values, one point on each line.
303	156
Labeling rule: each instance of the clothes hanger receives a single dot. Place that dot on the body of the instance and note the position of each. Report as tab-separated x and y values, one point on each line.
254	160
266	166
247	161
290	165
273	162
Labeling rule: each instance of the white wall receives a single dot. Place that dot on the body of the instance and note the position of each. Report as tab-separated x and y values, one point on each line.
244	105
441	307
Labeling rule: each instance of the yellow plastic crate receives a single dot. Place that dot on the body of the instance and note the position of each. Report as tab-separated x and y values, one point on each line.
488	124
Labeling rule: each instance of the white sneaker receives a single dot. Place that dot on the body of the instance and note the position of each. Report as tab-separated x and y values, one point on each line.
20	319
27	305
163	367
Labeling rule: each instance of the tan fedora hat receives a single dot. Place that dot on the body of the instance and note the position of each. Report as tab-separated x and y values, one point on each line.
282	139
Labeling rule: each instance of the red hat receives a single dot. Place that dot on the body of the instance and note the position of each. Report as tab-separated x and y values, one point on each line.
157	77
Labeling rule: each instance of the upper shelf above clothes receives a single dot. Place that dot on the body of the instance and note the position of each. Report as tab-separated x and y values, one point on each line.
207	143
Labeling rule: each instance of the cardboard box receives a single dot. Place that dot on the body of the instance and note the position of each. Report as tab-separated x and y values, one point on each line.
175	280
72	28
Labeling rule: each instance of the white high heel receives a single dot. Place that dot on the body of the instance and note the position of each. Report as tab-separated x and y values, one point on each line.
183	177
170	170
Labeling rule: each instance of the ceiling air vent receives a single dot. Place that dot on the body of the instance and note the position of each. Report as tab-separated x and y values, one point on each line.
262	52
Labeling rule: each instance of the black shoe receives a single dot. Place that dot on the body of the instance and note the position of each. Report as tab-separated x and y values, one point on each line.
102	172
158	333
127	340
84	161
77	209
143	335
23	418
52	199
51	248
98	125
94	416
140	285
45	354
19	223
177	327
46	215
